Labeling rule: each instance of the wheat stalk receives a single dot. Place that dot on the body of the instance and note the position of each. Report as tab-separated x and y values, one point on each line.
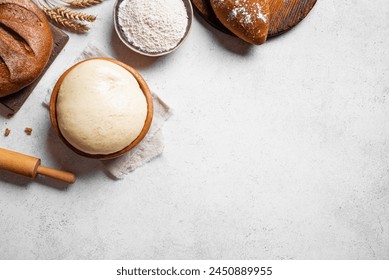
69	14
63	21
82	3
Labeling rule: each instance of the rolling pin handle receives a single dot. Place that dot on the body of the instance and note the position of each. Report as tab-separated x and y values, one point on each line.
57	174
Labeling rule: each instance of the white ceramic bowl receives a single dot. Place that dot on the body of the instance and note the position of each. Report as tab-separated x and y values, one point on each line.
189	10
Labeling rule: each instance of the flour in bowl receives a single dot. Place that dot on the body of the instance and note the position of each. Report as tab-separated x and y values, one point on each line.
153	26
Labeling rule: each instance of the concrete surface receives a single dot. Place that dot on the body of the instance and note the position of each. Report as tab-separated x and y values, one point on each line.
279	151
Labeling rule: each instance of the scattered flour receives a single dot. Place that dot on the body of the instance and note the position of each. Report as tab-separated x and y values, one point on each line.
153	26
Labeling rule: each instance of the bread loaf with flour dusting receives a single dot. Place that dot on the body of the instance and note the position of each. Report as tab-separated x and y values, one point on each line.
26	43
247	19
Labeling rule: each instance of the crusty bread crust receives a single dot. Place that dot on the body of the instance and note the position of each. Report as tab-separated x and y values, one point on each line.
247	19
26	43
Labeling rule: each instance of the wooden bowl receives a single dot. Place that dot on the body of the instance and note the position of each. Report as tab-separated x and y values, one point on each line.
149	100
122	37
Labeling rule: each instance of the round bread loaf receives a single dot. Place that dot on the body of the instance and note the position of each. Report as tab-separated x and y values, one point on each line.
100	107
26	43
247	19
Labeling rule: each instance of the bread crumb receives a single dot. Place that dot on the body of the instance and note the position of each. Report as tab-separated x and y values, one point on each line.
7	132
28	130
10	116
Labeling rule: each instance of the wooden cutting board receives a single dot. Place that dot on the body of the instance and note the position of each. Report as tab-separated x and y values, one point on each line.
285	14
11	104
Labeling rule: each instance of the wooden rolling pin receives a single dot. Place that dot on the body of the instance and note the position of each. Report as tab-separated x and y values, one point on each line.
30	167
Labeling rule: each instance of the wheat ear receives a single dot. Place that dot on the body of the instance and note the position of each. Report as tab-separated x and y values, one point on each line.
69	14
65	22
82	3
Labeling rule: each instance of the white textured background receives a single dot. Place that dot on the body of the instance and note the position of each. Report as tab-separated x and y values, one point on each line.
279	151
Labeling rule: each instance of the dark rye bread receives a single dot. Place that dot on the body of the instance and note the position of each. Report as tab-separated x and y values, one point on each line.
26	43
11	104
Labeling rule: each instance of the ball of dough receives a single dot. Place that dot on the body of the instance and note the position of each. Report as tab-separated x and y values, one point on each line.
100	107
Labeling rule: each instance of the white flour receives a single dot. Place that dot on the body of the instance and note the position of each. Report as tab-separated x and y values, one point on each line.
153	26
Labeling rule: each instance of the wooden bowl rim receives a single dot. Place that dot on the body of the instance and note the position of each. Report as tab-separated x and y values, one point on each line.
145	89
